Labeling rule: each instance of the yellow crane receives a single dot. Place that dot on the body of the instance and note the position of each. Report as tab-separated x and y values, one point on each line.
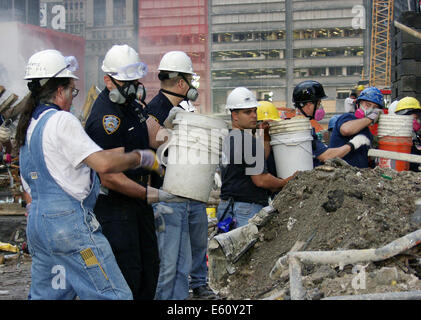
381	52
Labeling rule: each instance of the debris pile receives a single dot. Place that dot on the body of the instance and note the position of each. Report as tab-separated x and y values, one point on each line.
333	207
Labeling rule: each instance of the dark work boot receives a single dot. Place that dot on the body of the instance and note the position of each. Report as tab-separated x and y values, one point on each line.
204	292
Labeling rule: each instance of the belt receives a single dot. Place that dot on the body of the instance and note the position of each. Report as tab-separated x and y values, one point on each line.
245	200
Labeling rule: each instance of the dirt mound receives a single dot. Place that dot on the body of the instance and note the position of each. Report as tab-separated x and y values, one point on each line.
333	207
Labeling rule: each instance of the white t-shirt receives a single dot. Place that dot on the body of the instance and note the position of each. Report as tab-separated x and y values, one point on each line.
65	145
349	105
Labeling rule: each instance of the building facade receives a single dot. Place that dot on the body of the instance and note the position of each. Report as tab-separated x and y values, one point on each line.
166	25
270	46
108	22
23	11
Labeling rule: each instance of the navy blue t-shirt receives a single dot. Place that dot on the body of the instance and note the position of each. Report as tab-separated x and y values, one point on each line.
242	157
357	158
112	125
159	108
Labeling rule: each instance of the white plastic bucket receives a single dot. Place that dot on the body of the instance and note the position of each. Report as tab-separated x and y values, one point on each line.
395	125
193	155
292	146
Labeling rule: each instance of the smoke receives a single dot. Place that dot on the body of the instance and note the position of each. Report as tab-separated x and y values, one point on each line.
17	47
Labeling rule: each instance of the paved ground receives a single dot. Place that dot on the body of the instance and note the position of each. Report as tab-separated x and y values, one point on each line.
15	278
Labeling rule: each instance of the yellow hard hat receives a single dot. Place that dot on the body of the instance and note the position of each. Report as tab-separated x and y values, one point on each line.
360	87
407	105
267	111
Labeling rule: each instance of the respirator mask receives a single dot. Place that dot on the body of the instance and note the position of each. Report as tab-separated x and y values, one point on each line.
319	114
361	112
128	92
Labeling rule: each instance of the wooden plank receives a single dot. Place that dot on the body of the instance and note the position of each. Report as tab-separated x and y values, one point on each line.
394	155
12	209
8	102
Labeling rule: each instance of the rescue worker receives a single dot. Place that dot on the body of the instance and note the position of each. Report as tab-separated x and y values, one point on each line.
411	106
183	236
349	126
307	96
245	177
57	163
117	121
349	103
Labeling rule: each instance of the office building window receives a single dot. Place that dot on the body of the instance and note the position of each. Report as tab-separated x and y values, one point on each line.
99	12
119	12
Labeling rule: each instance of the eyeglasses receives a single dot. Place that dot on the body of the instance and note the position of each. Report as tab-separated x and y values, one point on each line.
74	92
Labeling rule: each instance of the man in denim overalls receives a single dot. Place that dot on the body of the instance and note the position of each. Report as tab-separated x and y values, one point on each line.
70	255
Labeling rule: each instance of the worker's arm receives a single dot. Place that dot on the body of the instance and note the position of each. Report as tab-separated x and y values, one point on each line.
113	160
158	135
121	183
356	142
264	126
270	182
353	127
334	153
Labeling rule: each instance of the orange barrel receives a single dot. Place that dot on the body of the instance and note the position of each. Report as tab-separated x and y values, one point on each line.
396	144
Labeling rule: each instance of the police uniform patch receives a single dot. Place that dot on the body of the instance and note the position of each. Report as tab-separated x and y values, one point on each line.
110	123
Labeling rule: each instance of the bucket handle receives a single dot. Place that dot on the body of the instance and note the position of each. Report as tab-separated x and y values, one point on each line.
160	153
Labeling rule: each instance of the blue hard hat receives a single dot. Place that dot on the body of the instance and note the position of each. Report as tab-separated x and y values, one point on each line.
371	94
332	121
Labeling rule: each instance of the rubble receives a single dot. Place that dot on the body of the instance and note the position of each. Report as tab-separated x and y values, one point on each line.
333	207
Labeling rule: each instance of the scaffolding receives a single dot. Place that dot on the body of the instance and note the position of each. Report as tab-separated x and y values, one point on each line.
381	52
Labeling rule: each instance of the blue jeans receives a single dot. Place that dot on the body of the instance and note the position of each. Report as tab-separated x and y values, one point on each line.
174	251
241	211
198	227
59	271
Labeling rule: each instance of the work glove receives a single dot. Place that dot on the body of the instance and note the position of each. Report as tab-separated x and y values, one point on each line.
154	195
171	116
374	115
149	161
359	140
5	134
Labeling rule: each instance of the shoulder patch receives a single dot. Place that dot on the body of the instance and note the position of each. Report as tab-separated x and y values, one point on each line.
110	123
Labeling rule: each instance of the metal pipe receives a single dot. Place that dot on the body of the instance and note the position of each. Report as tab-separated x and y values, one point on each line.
295	284
407	29
350	256
342	258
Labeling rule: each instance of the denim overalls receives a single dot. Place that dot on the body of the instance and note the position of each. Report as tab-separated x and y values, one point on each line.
70	255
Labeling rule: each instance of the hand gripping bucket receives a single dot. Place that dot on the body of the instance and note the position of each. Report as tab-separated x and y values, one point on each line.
194	150
395	134
291	145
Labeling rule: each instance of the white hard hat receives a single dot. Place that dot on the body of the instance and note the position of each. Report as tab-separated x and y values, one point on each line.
50	64
392	107
122	63
176	61
241	98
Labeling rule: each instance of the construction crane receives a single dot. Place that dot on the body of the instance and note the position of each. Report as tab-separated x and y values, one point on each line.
381	52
